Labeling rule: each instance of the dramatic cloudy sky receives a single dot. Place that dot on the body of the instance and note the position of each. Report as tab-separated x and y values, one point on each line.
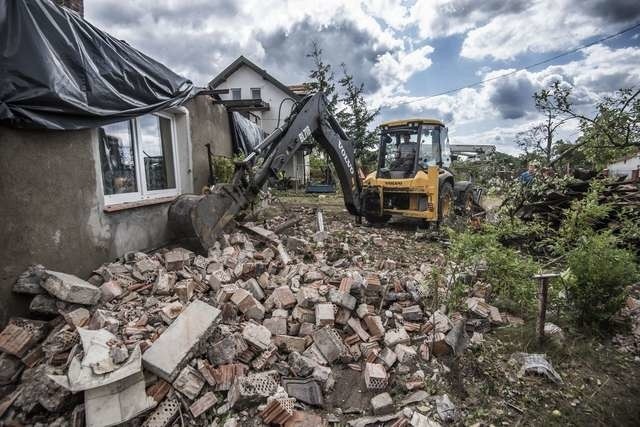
403	51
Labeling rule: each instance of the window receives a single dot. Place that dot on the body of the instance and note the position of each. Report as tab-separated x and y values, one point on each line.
236	94
255	93
138	159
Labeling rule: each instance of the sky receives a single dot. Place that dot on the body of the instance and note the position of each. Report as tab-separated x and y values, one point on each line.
402	51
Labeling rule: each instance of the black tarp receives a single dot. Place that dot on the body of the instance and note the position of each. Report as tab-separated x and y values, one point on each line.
246	134
57	71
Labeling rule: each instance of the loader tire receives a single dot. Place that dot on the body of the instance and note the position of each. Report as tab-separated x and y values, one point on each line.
446	205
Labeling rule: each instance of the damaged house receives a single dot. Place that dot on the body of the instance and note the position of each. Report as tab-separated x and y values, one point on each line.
265	101
89	164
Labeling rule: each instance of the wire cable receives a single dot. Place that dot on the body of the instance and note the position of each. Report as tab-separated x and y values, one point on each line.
510	73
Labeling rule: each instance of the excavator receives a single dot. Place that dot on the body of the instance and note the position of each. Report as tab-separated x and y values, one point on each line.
411	179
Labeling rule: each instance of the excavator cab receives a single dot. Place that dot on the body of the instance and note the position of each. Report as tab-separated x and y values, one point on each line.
412	178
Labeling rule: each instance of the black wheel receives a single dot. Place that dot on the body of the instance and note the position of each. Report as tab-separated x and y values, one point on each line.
446	209
377	220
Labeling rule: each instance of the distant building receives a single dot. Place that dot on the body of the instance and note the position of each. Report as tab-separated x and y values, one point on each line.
264	100
628	166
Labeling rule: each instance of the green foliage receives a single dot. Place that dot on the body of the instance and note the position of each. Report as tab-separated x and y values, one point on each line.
322	77
509	272
223	168
599	274
355	118
581	219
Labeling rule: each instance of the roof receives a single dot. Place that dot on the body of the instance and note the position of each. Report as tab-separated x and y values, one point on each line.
300	89
624	159
235	65
406	122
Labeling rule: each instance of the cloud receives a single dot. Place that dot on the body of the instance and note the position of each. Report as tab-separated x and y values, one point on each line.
198	38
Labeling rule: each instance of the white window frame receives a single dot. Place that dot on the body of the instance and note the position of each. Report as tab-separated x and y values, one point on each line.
239	89
141	179
259	93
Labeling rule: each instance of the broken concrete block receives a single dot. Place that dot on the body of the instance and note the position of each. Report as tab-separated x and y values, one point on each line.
173	348
71	288
251	389
396	336
29	281
375	376
171	311
10	369
297	245
184	290
175	259
164	283
110	290
356	326
419	420
203	404
382	404
306	329
330	344
324	314
342	299
282	297
313	352
364	310
405	353
77	318
413	313
248	305
388	357
303	315
103	319
21	335
44	304
97	350
277	325
306	390
257	336
189	382
308	297
288	343
374	325
254	288
117	403
226	350
300	366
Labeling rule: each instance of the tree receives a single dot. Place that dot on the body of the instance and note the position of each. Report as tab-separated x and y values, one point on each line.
322	77
546	101
355	118
612	132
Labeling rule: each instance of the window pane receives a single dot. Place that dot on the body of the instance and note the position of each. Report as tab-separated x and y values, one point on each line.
236	94
255	93
117	158
157	151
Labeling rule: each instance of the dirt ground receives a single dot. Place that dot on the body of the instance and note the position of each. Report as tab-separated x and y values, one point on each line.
600	385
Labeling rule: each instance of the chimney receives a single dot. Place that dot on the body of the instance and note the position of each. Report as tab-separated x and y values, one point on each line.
75	5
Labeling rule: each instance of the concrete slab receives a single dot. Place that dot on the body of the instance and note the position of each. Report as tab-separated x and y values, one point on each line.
71	288
169	353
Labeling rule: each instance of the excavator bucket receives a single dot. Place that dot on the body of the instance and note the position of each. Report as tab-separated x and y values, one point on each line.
206	216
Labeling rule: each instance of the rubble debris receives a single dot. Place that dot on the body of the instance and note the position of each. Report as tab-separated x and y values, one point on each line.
278	411
251	389
170	351
115	404
419	420
29	281
203	404
446	409
189	382
375	376
382	404
20	335
536	364
305	390
71	288
164	413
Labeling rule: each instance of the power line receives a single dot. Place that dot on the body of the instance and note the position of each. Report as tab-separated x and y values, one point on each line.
510	73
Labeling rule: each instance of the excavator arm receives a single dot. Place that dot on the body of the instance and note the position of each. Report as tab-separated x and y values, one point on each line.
206	216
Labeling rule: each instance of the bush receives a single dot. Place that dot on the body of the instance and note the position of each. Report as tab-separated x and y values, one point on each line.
223	168
599	274
509	272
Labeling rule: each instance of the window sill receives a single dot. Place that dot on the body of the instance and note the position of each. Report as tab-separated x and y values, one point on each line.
116	207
